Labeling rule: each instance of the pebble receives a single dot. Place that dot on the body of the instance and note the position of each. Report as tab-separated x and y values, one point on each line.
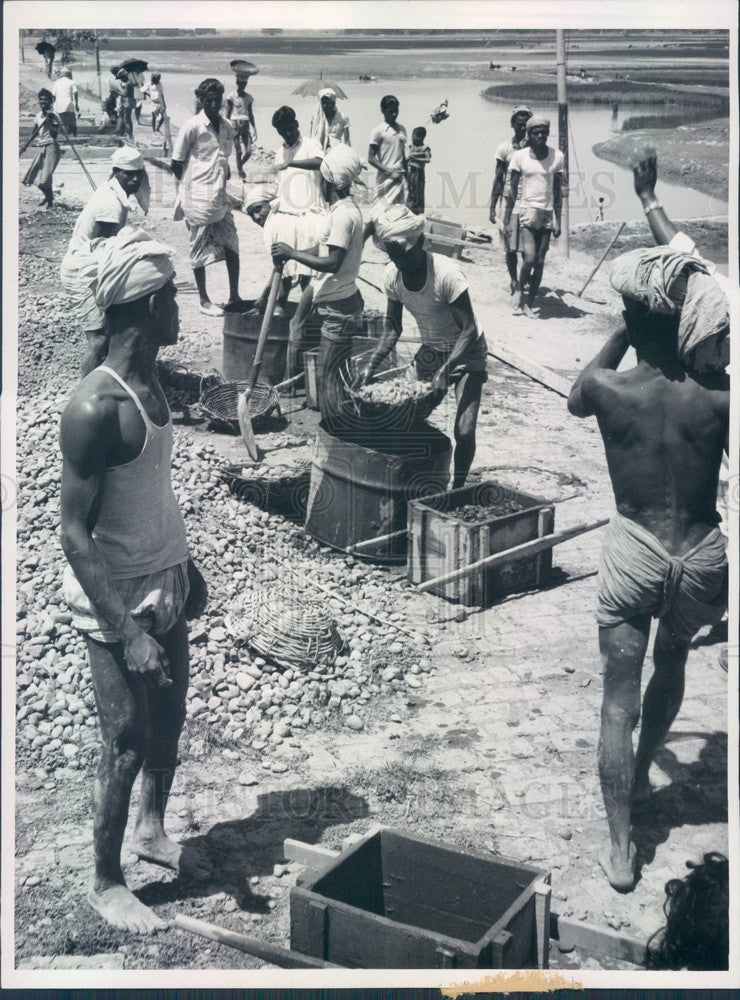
354	722
569	668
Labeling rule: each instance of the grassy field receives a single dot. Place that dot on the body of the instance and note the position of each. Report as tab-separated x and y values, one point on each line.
607	91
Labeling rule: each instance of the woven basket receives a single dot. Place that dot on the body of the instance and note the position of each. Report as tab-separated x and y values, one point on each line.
219	403
285	627
285	491
405	416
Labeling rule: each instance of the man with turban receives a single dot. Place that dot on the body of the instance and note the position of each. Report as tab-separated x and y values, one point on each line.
435	291
105	214
130	584
536	181
329	126
519	118
664	428
200	161
336	298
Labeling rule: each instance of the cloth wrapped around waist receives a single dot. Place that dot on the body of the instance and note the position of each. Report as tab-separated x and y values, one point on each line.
638	576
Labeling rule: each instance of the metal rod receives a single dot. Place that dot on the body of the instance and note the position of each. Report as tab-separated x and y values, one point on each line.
271	953
368	543
382	621
93	185
601	260
509	555
563	134
288	381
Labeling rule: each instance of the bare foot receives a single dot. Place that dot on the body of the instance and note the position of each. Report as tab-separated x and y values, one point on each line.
518	309
620	871
527	310
119	907
188	861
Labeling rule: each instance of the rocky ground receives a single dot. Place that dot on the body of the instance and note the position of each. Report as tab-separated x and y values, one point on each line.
479	730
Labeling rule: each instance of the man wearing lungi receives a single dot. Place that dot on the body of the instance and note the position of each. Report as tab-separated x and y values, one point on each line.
504	153
387	153
200	161
43	165
664	427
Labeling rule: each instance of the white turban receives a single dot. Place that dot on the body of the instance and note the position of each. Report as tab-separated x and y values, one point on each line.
130	266
327	92
341	165
127	158
399	224
260	193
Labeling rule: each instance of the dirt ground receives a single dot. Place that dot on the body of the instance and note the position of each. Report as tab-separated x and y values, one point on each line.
491	744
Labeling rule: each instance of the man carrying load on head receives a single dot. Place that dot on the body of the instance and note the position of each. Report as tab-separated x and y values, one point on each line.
130	584
200	161
664	427
435	291
105	214
336	300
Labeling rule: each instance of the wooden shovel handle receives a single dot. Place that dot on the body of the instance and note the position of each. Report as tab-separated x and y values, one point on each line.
277	275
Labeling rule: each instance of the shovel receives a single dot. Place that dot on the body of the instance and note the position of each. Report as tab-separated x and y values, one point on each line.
242	407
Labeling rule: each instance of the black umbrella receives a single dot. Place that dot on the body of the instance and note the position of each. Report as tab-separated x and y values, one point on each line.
135	65
44	47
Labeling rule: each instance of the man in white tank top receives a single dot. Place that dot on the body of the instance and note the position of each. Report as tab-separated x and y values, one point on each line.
131	584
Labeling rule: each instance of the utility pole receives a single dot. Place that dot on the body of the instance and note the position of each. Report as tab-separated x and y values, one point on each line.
97	65
563	133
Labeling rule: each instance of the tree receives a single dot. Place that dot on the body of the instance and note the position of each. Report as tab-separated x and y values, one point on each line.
65	41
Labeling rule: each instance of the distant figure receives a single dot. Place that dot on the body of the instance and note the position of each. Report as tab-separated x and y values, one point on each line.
417	157
45	130
697	931
519	118
66	101
47	50
153	90
539	170
615	109
387	155
329	126
200	161
240	113
125	104
137	79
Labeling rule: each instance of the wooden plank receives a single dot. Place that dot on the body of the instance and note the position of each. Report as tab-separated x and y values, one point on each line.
508	555
310	855
542	898
532	369
597	940
263	950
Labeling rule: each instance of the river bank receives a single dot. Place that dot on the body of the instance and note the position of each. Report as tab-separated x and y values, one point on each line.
696	155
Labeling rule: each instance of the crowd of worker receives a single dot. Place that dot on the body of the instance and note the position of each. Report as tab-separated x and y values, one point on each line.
664	421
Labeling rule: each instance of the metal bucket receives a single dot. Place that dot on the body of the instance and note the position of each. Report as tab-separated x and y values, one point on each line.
358	492
240	336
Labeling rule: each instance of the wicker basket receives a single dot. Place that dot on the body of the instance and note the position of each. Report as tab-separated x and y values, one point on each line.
283	490
406	416
284	626
219	403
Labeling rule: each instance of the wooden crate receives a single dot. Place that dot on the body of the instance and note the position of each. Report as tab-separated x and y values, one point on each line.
440	542
447	230
397	901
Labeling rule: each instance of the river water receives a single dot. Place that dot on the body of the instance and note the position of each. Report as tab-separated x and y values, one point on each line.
458	180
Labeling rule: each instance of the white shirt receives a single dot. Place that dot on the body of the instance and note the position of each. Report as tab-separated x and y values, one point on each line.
430	306
536	185
391	143
344	229
205	153
64	90
299	190
109	203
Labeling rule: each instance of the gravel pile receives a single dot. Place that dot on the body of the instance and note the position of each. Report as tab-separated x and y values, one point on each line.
235	697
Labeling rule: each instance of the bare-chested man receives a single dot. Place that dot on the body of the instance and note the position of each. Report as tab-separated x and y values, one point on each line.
132	584
664	428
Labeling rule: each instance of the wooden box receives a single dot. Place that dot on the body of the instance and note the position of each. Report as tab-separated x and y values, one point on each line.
442	237
440	541
397	901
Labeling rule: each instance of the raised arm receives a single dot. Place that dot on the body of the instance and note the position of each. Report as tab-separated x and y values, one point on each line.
581	398
88	429
645	174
